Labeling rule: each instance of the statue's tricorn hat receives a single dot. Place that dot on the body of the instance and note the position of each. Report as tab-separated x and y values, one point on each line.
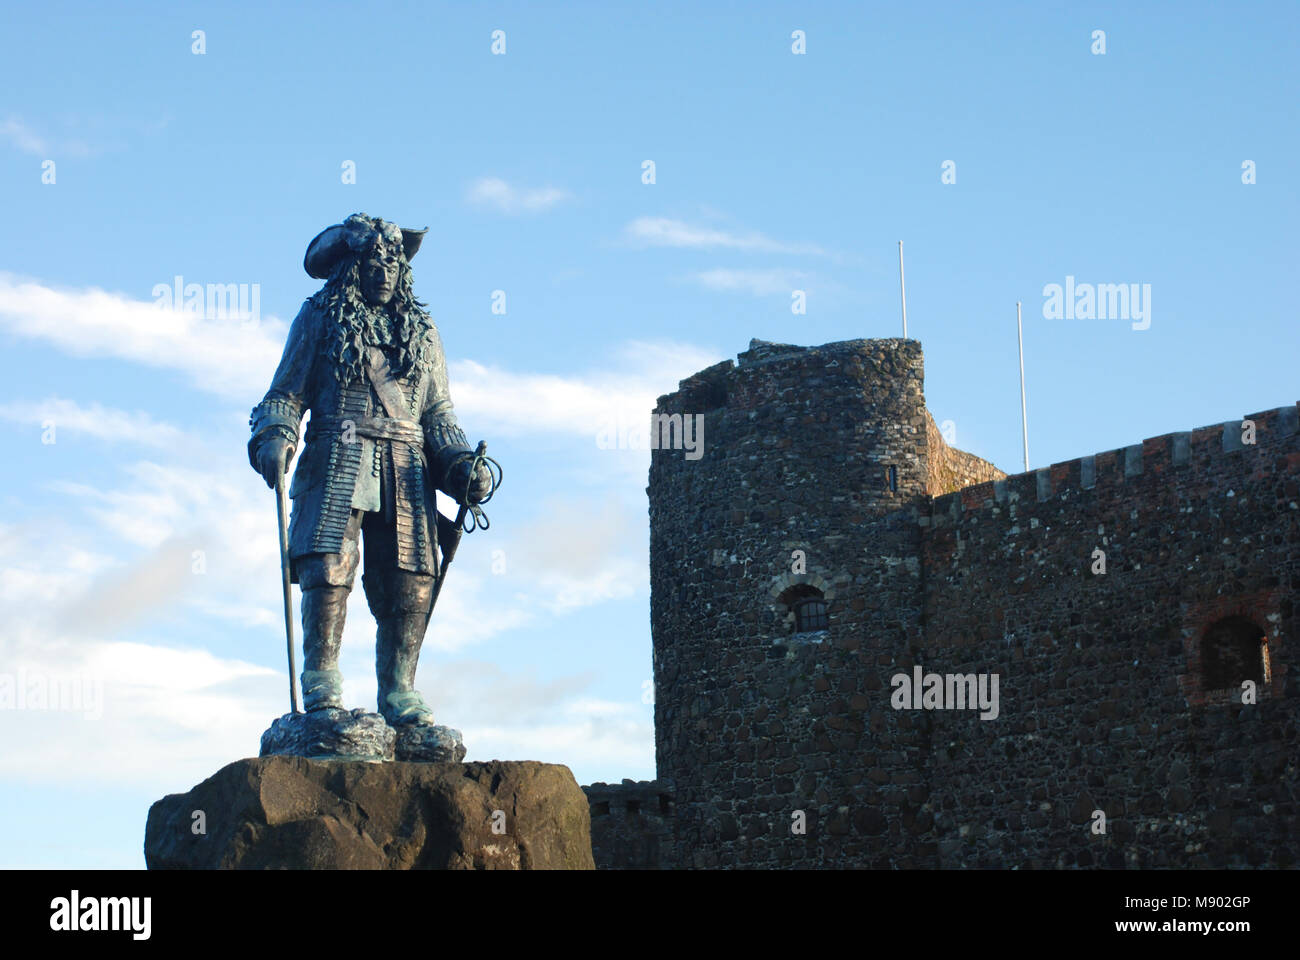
350	238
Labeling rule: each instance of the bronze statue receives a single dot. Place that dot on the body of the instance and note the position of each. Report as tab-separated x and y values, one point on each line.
365	358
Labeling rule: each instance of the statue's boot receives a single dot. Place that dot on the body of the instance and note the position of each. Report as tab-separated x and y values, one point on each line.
401	603
324	609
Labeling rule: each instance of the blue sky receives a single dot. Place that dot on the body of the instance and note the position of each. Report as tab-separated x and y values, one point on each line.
773	172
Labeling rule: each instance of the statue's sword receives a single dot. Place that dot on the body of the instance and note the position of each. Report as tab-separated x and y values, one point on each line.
469	517
282	513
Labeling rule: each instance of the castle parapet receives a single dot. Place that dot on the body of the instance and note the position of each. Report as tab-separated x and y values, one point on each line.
631	824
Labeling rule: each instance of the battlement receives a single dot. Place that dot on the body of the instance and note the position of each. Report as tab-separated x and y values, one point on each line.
1203	450
628	798
631	823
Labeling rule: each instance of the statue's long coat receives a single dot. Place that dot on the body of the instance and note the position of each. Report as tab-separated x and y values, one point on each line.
342	469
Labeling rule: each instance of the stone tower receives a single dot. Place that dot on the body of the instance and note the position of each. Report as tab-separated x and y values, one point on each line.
788	541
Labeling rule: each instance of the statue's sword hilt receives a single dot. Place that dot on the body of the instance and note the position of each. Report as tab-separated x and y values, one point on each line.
470	516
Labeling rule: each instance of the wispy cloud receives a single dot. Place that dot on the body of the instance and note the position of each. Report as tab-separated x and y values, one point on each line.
757	282
104	423
625	389
24	138
225	357
666	232
596	563
509	199
506	713
236	360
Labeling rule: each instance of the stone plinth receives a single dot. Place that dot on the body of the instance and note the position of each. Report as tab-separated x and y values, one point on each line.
281	812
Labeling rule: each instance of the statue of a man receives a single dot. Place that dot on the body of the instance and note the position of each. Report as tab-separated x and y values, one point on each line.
365	358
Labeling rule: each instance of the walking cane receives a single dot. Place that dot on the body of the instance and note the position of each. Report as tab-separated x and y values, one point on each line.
282	513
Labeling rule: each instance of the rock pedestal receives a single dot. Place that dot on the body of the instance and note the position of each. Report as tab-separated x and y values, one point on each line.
283	812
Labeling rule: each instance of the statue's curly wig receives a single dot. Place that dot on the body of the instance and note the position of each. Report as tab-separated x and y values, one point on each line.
402	323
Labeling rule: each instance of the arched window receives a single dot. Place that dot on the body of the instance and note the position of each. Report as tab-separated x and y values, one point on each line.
1233	650
808	604
810	615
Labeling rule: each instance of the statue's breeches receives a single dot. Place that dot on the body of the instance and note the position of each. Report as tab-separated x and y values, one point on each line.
390	590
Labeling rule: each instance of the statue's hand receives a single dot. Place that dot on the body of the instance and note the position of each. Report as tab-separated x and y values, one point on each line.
478	489
273	455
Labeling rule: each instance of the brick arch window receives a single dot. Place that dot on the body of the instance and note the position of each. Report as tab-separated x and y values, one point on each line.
808	604
1234	649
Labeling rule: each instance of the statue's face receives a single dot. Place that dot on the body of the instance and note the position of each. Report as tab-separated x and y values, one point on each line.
379	267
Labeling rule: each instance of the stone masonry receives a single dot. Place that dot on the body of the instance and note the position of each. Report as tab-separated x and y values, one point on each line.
631	824
1137	609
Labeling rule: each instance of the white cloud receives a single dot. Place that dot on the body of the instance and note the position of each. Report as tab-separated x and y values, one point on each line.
587	746
581	553
29	141
625	390
96	421
23	137
553	721
666	232
236	360
145	714
756	282
226	357
508	199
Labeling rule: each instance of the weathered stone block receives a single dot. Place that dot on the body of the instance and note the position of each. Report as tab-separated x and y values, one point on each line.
296	813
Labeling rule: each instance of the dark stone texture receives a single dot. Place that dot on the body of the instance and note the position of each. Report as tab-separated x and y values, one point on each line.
945	563
330	734
631	824
296	813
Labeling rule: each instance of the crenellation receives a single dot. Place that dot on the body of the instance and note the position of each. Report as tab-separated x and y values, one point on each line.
631	823
1154	454
1133	461
1232	439
1157	453
1043	484
1087	472
1286	421
1181	444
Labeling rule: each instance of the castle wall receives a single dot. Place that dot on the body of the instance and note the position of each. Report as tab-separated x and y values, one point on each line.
817	473
951	469
1102	701
631	824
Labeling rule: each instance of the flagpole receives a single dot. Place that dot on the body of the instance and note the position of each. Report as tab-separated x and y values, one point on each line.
1024	416
902	287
